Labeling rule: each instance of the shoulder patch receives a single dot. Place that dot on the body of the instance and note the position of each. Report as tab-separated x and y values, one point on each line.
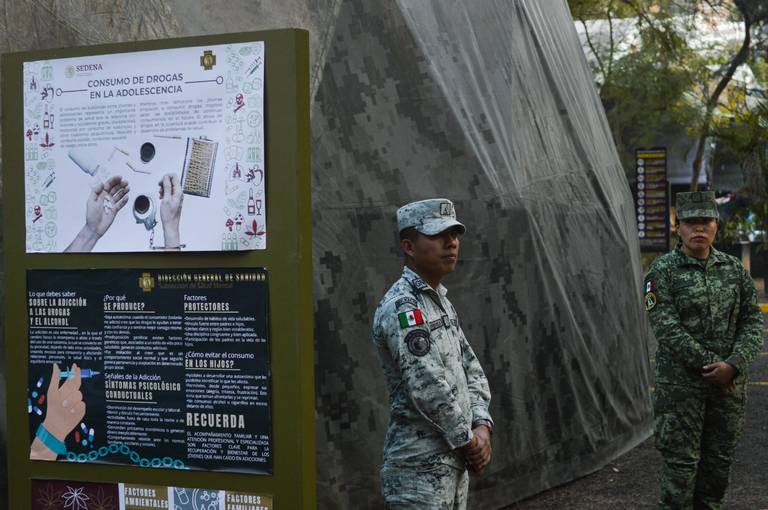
650	301
406	300
410	318
418	342
649	287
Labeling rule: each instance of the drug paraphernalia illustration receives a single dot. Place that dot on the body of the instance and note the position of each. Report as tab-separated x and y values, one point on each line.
107	160
154	155
147	152
199	160
86	160
144	211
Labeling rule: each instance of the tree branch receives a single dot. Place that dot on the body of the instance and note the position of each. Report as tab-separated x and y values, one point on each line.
594	51
712	102
611	40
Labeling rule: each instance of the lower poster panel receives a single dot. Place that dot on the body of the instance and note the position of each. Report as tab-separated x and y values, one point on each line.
72	495
160	368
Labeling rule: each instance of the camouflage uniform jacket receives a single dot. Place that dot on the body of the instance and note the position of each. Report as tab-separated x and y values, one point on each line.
436	385
702	311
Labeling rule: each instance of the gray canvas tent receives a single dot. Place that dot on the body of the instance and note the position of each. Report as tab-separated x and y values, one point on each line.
489	103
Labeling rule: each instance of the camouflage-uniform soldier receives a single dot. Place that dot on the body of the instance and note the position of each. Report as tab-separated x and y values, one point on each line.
439	421
703	309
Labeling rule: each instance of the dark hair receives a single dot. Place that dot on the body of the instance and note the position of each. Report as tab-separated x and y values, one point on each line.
677	221
409	233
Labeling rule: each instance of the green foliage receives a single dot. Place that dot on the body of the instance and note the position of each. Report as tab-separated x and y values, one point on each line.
647	91
597	9
661	85
737	227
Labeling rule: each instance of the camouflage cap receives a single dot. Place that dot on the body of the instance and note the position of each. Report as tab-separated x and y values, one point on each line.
429	217
696	204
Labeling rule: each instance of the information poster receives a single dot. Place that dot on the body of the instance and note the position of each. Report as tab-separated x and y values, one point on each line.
155	368
133	152
652	199
74	495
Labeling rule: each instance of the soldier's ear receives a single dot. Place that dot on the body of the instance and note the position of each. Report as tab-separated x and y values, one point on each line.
407	246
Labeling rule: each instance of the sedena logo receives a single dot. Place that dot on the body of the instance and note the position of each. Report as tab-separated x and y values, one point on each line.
71	71
88	67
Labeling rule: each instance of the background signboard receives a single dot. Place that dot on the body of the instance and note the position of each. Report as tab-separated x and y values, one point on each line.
652	199
282	410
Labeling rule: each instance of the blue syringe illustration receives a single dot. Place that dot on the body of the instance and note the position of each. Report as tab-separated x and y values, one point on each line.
85	373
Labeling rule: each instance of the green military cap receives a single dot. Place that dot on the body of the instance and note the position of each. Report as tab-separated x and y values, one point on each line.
696	204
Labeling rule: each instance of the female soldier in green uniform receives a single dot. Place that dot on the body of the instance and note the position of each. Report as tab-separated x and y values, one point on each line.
703	309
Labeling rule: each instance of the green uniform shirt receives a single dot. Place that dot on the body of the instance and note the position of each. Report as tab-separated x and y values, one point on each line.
702	311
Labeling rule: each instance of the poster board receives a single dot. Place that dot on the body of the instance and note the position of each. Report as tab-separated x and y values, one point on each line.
285	263
172	365
144	150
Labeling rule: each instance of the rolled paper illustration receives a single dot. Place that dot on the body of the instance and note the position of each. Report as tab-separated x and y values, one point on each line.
87	162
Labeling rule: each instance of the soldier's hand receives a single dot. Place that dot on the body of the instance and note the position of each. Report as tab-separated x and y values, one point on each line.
478	451
721	373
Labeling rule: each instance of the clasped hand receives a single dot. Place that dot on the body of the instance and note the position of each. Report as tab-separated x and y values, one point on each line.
478	451
721	373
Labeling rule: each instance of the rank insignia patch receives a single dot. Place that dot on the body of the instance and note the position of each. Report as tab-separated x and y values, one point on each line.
418	342
650	301
435	324
406	300
410	318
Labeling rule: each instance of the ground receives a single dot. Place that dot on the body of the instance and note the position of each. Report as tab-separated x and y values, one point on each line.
630	482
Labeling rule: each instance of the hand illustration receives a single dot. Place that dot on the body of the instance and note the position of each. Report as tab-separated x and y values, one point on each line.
65	409
171	198
101	207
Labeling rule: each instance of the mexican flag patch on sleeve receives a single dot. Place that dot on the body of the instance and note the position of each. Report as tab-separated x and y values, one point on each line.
410	318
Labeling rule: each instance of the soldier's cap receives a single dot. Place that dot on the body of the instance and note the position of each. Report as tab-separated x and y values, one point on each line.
430	217
696	204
